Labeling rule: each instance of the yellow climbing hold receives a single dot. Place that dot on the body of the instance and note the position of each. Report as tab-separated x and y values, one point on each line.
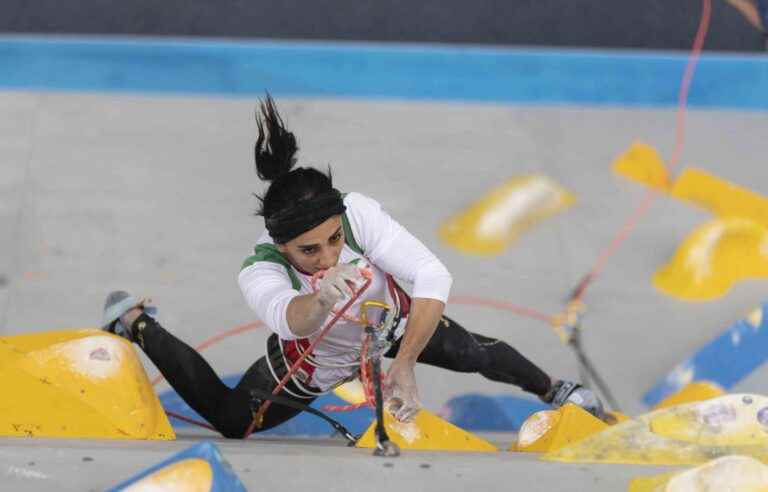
550	430
351	392
657	483
719	253
755	318
696	391
731	420
427	432
496	220
618	417
189	475
642	163
687	434
77	383
722	198
537	432
741	473
713	257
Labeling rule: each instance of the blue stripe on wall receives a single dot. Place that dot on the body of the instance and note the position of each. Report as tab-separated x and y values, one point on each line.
357	70
490	413
726	360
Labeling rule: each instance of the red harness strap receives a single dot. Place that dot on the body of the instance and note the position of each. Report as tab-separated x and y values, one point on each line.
293	350
258	418
399	295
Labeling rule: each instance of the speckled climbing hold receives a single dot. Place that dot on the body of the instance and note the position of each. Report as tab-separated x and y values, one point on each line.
77	383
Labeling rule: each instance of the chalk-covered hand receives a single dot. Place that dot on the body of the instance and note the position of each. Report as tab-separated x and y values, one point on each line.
401	396
337	283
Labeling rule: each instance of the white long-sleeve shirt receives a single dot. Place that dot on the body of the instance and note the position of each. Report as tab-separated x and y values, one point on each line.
269	282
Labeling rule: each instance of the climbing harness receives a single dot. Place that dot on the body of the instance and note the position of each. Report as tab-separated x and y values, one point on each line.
258	418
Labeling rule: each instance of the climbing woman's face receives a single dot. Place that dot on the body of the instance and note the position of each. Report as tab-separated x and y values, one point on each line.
318	248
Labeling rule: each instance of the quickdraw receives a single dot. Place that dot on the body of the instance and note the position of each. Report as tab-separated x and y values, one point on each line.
258	418
567	325
377	341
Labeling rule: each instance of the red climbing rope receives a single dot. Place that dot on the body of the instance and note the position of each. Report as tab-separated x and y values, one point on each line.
578	292
642	209
259	416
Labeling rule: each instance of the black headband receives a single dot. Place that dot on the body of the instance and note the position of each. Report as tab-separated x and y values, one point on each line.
304	215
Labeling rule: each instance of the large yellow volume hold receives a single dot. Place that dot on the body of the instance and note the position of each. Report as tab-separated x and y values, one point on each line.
735	472
731	420
489	225
687	434
427	432
713	257
77	383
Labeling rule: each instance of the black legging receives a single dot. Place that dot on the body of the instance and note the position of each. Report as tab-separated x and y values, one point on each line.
454	348
229	410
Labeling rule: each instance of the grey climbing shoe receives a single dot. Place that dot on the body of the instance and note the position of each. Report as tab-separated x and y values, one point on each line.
563	392
117	304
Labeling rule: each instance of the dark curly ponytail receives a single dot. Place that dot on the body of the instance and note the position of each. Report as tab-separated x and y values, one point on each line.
276	148
296	198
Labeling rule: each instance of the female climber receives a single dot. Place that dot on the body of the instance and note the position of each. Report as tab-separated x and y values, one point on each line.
319	247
